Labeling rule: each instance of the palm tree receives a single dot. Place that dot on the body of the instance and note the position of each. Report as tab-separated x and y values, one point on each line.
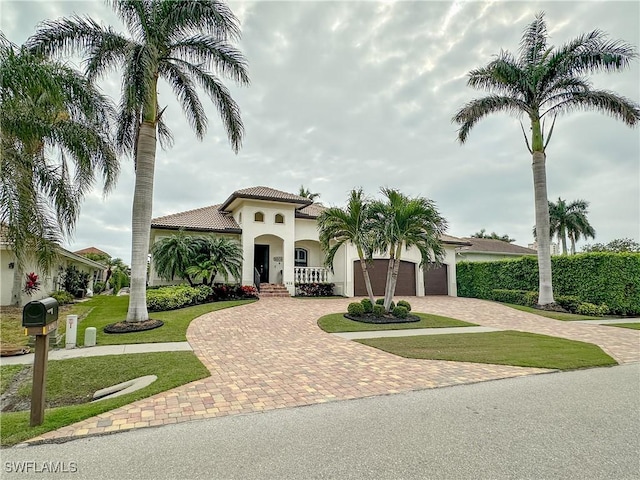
546	82
173	255
339	226
54	139
216	255
180	42
404	222
306	193
569	220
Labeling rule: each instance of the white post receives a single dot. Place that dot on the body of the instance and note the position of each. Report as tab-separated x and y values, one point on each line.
72	331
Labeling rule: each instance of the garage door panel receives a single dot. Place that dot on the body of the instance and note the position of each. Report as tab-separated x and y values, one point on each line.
406	285
436	281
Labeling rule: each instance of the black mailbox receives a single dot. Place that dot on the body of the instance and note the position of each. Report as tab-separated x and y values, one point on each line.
40	312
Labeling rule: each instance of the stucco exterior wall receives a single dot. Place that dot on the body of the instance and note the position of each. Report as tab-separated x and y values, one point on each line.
48	280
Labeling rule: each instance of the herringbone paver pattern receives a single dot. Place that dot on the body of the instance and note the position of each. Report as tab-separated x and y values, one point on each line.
271	354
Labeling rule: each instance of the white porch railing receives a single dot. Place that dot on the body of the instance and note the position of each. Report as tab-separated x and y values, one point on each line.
311	275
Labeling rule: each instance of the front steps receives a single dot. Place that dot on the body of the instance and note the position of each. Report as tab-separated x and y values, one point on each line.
273	290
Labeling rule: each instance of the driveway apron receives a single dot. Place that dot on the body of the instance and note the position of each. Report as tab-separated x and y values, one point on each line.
271	354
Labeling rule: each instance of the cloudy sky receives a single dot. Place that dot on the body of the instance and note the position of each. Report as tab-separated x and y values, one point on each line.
359	93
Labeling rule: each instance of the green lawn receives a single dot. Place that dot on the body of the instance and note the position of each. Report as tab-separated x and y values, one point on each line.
75	380
7	373
503	348
633	326
336	322
565	317
109	309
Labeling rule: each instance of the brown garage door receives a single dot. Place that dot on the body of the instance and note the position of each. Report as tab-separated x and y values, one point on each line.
406	285
436	281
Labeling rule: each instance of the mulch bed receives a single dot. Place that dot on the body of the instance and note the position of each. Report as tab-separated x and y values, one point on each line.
551	307
371	318
129	327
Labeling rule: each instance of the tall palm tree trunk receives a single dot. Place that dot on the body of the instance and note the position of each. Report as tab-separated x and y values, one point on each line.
545	287
572	238
393	280
563	239
16	290
140	221
365	274
388	294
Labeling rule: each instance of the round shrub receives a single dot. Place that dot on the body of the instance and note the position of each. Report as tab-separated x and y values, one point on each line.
355	309
367	305
586	308
62	297
400	312
405	304
378	310
380	301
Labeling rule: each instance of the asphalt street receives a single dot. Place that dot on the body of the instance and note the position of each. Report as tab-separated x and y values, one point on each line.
574	425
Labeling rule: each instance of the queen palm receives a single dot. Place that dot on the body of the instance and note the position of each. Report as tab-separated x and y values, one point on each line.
339	226
180	42
400	223
569	219
546	82
54	141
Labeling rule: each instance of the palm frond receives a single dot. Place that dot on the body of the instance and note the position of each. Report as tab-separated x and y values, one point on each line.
606	102
477	109
533	44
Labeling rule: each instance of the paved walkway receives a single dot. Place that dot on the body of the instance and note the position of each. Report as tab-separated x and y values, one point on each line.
100	351
271	354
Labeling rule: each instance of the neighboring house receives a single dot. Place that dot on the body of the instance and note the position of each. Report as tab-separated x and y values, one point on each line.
279	236
489	250
102	275
553	247
49	281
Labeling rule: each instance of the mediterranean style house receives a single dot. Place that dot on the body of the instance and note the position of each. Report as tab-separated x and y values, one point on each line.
279	236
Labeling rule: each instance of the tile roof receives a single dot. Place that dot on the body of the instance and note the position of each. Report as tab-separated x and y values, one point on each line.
95	250
206	218
490	245
310	211
448	239
265	193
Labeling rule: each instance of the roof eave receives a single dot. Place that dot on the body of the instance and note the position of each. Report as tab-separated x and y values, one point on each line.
197	229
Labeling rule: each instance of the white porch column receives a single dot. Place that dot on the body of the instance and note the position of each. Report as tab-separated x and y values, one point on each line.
247	261
288	265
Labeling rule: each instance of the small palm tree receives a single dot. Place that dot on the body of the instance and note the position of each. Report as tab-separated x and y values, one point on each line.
54	141
180	42
306	193
339	226
173	255
546	82
404	222
216	255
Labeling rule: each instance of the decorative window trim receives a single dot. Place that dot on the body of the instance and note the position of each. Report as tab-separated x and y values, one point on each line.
258	217
301	260
280	217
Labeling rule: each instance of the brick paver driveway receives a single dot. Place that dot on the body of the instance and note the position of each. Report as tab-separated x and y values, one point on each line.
271	354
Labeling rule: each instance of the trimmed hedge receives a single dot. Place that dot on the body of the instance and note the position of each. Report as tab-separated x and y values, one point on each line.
171	298
599	278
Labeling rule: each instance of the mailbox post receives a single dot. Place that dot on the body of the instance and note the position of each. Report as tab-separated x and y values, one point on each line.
39	318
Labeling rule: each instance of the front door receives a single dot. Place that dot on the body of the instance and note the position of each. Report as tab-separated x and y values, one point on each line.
261	261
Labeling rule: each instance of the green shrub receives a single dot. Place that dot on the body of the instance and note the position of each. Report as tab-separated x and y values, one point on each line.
171	298
586	308
400	312
62	297
568	302
378	310
598	278
405	304
204	292
356	309
98	287
380	301
517	297
367	305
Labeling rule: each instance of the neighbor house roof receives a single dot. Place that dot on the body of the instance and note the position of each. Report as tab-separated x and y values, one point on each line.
490	245
265	193
210	219
94	250
449	240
